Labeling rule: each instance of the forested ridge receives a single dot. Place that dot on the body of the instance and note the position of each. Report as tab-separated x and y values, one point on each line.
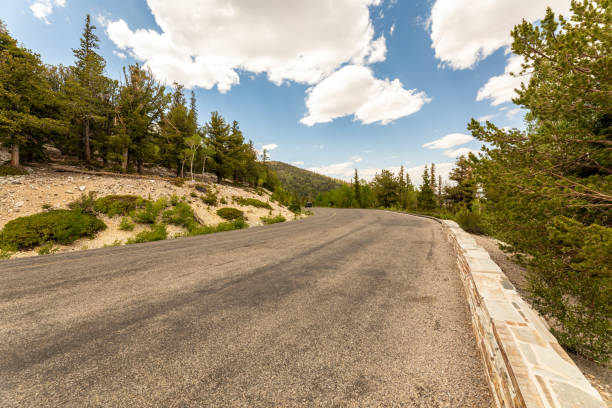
545	191
303	183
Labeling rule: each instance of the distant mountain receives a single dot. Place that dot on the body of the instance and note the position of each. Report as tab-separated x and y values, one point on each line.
303	183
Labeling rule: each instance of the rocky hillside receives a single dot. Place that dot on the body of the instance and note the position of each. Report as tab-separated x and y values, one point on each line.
46	188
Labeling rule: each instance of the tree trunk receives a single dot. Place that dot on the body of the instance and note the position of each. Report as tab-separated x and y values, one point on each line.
179	165
219	178
15	155
86	147
124	164
182	167
191	166
140	166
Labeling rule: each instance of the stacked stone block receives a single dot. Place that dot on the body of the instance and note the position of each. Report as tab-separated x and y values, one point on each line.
525	365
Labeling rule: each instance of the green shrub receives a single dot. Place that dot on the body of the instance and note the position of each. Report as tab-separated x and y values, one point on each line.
115	243
239	223
230	213
273	220
156	233
193	194
47	248
126	224
151	211
11	171
174	199
46	206
223	201
470	221
60	226
181	215
84	204
6	253
201	188
112	205
253	202
210	199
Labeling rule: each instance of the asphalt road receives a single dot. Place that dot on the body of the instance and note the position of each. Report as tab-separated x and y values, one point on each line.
345	308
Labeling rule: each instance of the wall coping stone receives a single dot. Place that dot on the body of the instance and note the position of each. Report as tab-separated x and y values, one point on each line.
525	365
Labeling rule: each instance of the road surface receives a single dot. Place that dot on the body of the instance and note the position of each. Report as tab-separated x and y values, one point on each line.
345	308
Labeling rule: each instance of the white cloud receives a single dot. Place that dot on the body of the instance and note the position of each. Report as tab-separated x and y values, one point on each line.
356	159
120	54
486	117
392	29
464	32
206	42
354	90
500	89
512	113
378	50
43	8
346	171
298	163
343	170
462	151
269	147
454	139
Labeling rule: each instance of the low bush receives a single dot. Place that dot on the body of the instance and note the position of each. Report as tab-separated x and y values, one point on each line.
156	233
201	188
229	213
126	224
112	205
174	199
60	226
47	248
47	206
239	223
223	201
6	253
193	194
181	214
210	199
115	243
149	214
273	220
253	202
470	221
85	203
11	171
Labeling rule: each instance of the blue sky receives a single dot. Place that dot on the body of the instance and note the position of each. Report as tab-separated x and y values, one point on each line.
333	84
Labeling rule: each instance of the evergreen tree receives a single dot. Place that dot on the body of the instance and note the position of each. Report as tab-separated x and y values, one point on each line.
426	199
386	188
177	126
87	95
464	191
28	106
218	132
357	189
547	189
141	104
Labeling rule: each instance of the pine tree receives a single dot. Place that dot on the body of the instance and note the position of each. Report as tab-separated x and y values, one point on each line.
426	199
357	189
88	95
28	106
218	132
141	104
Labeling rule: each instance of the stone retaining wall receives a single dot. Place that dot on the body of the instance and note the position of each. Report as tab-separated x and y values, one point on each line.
525	365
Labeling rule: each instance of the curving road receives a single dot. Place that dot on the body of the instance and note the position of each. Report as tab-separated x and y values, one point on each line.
346	308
